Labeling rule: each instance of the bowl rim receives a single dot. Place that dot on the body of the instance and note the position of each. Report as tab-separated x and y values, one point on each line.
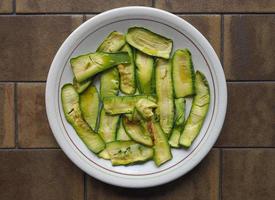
121	180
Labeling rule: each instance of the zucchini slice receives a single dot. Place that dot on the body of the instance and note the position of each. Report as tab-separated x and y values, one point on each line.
162	151
80	87
128	152
121	133
164	90
183	73
179	122
86	66
127	73
104	154
149	42
137	132
144	72
122	104
70	103
198	111
109	83
112	43
145	108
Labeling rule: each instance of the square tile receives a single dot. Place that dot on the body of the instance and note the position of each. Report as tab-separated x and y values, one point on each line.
6	6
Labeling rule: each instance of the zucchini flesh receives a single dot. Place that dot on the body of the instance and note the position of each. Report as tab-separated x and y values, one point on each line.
127	73
70	103
89	105
149	42
109	83
122	104
198	111
164	91
121	133
128	152
137	132
162	151
80	87
183	73
179	122
145	108
86	66
144	72
104	154
112	43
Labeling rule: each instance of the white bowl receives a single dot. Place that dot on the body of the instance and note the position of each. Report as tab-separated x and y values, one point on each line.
86	38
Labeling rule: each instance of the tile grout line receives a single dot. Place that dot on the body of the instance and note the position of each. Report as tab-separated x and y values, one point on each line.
153	3
221	174
85	186
14	7
222	40
15	117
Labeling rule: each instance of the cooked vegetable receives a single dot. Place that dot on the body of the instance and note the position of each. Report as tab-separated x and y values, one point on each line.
70	103
179	122
198	111
122	104
137	132
121	133
104	154
145	108
89	105
80	87
183	73
109	83
149	42
162	152
112	43
144	72
128	152
127	73
164	91
86	66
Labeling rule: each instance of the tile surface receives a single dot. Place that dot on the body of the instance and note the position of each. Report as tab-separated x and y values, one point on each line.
6	6
39	174
201	183
29	43
33	126
55	6
249	47
248	174
7	125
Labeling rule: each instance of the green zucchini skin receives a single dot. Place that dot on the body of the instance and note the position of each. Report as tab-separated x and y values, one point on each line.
162	151
144	72
86	66
122	104
89	105
165	96
183	73
199	109
128	152
121	133
137	132
70	103
82	86
127	73
179	122
149	42
113	42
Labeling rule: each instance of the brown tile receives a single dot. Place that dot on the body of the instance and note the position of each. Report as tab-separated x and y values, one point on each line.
249	47
250	115
33	126
29	43
6	6
216	5
39	174
248	174
209	26
7	115
200	183
55	6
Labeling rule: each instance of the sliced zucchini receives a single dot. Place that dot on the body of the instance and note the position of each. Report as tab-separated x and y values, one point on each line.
137	132
80	87
164	91
104	154
145	108
144	72
149	42
122	104
127	73
70	103
108	126
121	133
162	151
109	83
183	73
112	43
86	66
198	111
89	105
128	152
179	122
